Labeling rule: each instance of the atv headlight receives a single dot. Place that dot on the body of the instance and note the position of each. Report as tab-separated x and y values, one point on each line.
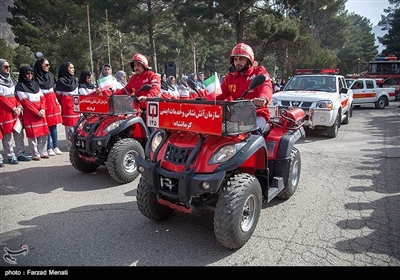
226	153
155	141
113	126
324	104
80	126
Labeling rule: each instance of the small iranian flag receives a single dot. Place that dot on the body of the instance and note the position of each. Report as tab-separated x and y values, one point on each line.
17	126
213	85
105	83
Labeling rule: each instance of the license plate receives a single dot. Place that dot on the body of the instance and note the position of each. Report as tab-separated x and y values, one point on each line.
80	144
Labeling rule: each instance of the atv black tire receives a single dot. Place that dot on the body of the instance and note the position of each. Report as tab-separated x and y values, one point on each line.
148	204
293	175
121	161
80	164
237	211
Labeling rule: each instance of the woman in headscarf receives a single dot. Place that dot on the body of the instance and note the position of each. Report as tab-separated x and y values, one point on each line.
183	88
66	87
10	114
121	77
163	81
46	82
34	119
195	90
200	80
172	88
86	86
106	71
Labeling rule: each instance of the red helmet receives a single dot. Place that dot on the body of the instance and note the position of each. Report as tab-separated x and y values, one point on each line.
244	50
141	59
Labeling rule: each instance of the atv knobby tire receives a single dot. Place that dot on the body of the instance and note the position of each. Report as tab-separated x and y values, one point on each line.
121	161
237	211
148	204
80	164
293	175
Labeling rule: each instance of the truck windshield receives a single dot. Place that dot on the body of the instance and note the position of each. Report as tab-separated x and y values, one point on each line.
312	83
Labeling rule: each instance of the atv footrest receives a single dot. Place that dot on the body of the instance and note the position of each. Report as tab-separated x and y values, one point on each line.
276	187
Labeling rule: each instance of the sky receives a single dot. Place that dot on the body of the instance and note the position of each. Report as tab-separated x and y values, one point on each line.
371	9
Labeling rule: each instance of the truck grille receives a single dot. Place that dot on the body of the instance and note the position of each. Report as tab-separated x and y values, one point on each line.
300	104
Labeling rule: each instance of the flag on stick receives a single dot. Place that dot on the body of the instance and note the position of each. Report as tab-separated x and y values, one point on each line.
17	126
213	85
105	83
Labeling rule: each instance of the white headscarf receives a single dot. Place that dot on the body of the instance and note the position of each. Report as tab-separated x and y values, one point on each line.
5	78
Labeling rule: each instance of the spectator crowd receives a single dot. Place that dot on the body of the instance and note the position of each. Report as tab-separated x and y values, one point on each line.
37	103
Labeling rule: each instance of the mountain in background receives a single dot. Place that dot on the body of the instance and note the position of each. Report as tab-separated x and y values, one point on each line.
5	28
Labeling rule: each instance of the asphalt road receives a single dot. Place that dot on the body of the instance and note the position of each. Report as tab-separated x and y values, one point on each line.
344	213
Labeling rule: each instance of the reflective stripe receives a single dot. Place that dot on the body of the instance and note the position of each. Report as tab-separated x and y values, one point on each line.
47	90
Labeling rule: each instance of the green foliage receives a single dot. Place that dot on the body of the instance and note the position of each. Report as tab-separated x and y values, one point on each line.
391	39
197	34
8	53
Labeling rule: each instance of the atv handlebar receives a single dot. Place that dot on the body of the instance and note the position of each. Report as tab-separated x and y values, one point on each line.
256	82
144	87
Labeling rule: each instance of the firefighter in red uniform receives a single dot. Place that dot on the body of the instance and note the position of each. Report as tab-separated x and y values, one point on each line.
143	75
235	83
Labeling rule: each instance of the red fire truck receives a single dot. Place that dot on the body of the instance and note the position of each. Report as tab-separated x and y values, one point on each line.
386	71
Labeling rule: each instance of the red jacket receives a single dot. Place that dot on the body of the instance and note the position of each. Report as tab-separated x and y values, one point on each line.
52	109
69	117
7	103
137	81
235	84
35	126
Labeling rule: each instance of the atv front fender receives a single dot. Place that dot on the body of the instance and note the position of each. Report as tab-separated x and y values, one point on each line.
287	142
144	132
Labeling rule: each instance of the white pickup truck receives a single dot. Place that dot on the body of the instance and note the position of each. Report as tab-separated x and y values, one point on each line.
366	90
322	94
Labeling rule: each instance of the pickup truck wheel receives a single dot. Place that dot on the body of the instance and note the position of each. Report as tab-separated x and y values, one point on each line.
380	103
121	161
293	176
148	204
347	116
80	164
332	131
237	211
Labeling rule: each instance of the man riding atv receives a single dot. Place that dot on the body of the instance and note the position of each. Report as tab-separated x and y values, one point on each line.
235	83
143	75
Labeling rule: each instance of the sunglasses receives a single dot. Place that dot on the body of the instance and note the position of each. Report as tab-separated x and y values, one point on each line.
47	65
6	67
29	73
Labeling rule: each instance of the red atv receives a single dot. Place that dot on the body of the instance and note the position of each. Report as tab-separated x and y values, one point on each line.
110	132
205	155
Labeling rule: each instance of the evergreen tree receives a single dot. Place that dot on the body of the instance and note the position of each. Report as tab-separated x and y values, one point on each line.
391	23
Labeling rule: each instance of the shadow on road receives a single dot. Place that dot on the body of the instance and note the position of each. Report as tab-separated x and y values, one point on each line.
379	217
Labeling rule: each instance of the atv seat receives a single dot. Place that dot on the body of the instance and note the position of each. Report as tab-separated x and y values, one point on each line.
263	132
